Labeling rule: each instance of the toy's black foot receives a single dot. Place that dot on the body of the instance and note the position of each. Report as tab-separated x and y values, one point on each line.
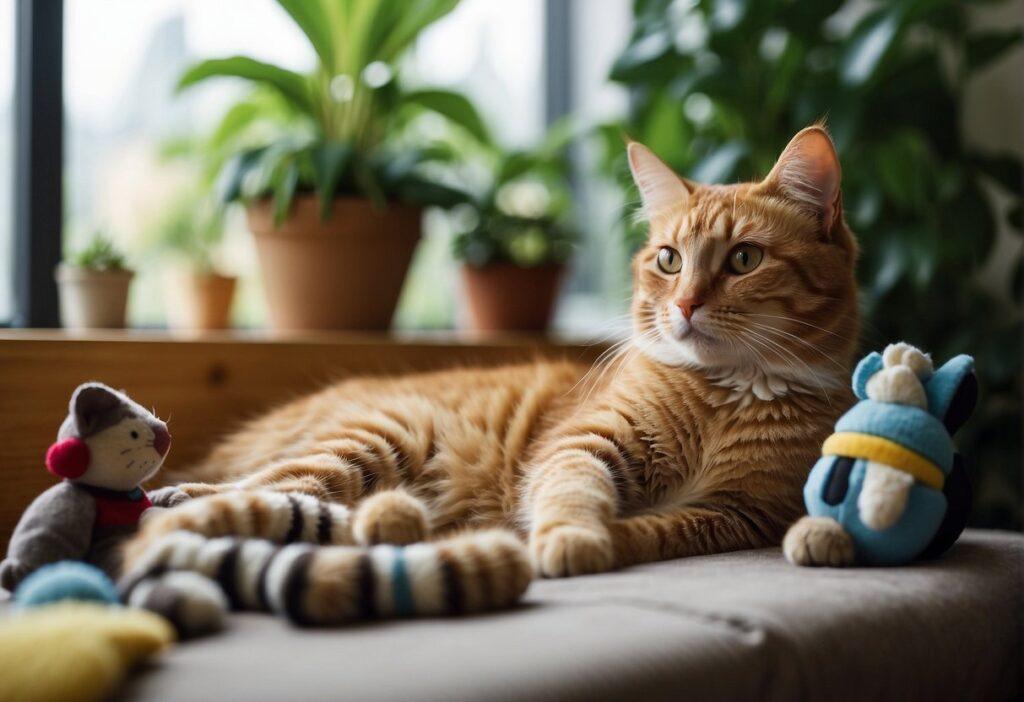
818	541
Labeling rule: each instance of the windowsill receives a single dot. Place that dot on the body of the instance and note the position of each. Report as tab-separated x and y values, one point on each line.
334	338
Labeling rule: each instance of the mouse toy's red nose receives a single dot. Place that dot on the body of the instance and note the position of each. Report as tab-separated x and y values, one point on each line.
161	440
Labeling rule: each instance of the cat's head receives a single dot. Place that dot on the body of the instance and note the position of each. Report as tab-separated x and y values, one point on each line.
756	275
108	440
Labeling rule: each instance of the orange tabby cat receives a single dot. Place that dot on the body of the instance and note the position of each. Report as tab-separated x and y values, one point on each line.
696	440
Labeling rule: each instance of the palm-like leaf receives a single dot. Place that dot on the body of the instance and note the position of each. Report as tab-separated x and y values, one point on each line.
292	86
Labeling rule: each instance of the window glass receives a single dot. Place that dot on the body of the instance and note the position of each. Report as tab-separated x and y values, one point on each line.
123	57
123	118
6	157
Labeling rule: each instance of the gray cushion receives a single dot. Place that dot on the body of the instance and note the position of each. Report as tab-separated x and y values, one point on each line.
743	625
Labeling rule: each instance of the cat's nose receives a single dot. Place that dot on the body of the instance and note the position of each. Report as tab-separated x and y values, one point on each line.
161	440
687	306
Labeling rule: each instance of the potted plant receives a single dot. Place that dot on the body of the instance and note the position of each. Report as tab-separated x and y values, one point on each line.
515	235
201	296
329	166
93	285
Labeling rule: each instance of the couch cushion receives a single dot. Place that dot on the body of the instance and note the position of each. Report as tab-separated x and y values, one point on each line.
743	625
734	626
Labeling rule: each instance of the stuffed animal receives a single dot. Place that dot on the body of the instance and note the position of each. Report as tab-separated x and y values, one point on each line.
890	486
75	650
107	446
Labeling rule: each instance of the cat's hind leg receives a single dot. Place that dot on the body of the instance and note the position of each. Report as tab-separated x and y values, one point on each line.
390	517
818	541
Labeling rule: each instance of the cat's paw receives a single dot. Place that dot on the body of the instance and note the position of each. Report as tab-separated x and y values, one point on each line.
170	496
199	489
390	517
818	541
571	550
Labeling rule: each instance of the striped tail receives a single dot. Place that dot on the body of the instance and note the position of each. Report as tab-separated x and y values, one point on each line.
262	514
324	585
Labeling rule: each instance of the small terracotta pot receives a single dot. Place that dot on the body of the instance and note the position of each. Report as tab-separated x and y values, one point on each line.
201	300
504	297
92	299
343	273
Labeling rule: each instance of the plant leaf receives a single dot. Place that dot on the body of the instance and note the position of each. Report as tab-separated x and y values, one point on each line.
329	163
455	107
284	190
1006	169
413	16
291	85
868	45
229	182
311	18
985	47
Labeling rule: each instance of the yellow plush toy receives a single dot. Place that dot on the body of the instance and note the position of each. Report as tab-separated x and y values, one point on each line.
74	650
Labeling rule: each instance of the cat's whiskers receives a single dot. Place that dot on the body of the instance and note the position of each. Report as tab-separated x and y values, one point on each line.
812	347
770	344
794	319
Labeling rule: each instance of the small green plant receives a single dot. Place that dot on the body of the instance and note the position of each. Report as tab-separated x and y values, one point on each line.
99	255
191	227
344	128
519	211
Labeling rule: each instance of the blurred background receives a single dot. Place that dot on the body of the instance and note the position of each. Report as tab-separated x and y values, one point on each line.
505	120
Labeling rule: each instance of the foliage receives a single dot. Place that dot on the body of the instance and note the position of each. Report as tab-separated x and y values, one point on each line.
340	130
519	210
99	255
192	226
718	87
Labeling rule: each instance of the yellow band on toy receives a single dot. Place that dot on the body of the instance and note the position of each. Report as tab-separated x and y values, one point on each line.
875	448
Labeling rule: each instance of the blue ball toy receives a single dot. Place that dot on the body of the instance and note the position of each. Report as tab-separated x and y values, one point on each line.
66	580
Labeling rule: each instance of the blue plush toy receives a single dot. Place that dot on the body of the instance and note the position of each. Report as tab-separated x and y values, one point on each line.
890	486
66	580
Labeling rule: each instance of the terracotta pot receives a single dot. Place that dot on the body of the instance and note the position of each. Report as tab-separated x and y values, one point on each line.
504	297
344	273
200	300
92	299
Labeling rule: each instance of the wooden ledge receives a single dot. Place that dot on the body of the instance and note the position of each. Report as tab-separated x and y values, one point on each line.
204	384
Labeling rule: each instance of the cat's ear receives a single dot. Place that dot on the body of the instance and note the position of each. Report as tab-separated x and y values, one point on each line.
89	403
808	174
660	188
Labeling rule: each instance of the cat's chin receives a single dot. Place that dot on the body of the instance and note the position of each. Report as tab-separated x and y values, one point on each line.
694	350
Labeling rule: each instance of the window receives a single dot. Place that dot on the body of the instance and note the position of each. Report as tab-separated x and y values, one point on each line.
123	57
6	158
122	60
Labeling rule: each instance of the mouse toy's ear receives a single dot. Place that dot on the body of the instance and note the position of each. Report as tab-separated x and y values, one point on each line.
89	404
953	392
68	458
868	366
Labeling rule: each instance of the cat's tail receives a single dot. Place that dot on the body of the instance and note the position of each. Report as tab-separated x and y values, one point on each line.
260	514
323	585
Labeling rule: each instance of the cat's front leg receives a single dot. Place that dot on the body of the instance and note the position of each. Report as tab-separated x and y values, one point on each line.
572	497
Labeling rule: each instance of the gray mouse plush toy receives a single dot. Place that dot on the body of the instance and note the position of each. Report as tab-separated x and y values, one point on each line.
106	448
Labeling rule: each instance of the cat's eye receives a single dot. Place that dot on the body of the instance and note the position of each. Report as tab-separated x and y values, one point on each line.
744	258
669	260
135	434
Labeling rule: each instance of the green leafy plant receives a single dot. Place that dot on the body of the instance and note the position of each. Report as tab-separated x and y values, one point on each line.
191	227
519	210
718	87
99	255
344	128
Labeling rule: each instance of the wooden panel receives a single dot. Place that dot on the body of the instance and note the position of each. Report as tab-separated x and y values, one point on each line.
203	385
